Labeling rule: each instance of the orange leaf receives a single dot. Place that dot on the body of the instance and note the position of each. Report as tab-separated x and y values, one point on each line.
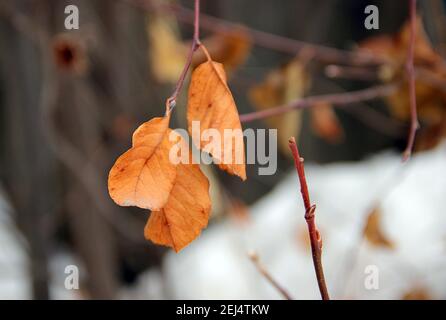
394	47
239	211
373	232
211	103
281	86
430	74
230	48
186	212
325	123
143	176
417	293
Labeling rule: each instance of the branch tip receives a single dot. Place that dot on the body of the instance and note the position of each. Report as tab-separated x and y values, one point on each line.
315	236
414	124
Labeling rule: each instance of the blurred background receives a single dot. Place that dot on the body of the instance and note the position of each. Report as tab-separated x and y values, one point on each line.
70	100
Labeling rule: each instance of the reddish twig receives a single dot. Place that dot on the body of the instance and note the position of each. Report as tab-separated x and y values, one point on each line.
414	125
261	268
315	237
336	99
171	101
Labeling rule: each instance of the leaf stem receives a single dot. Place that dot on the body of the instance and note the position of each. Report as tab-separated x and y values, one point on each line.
206	52
414	125
315	237
172	100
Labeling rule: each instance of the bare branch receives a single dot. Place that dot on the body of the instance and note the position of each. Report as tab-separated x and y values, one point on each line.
171	101
265	39
336	99
414	125
261	268
355	73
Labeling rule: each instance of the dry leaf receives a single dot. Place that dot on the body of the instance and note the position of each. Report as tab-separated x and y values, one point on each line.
143	176
280	87
423	51
239	211
381	45
373	232
229	48
431	69
325	123
146	177
186	212
167	54
431	136
211	103
417	293
395	47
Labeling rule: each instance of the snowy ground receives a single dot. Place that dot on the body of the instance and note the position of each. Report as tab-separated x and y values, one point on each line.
13	260
413	204
412	199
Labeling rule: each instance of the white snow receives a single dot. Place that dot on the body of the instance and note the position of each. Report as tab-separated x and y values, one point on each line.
14	282
412	198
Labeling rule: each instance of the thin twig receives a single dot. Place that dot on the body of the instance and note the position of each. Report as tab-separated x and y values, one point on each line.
172	100
315	237
371	117
265	39
378	121
348	72
335	99
422	74
414	125
261	268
